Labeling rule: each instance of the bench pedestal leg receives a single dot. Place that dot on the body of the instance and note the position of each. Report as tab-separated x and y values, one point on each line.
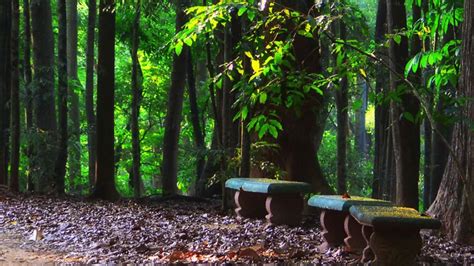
367	254
284	209
393	246
249	204
354	241
332	223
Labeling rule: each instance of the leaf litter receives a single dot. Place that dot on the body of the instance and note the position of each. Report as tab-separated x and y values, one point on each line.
173	231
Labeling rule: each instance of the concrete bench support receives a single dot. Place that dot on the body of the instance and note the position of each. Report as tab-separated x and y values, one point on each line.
250	204
280	202
392	233
338	225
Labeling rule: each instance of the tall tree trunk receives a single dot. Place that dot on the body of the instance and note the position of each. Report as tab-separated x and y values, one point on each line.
105	165
175	105
383	156
361	140
28	77
15	96
74	85
454	204
342	103
297	154
136	96
5	33
89	95
406	134
61	160
198	134
44	98
439	151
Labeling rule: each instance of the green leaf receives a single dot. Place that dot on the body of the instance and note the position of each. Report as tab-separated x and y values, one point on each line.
178	48
397	39
263	97
408	116
263	130
255	65
242	10
273	131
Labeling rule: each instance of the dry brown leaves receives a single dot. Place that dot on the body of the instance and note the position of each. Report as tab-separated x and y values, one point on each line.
175	231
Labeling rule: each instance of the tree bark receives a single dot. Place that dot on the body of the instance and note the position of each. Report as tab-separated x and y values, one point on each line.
198	134
383	156
28	77
5	33
61	160
89	95
406	134
175	105
454	204
342	103
298	148
73	86
105	165
44	98
15	97
136	97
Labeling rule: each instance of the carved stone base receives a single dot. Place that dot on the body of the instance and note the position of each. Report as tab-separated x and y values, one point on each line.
284	209
332	223
367	254
249	204
395	246
354	241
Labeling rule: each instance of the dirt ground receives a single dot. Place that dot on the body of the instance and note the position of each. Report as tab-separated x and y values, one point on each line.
39	230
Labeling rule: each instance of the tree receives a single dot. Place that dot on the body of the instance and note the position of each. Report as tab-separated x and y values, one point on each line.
60	167
105	164
15	96
73	86
89	95
45	147
5	29
28	77
136	98
454	204
197	131
405	129
173	116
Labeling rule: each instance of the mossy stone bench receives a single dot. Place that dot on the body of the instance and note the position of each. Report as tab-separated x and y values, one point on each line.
392	233
339	227
279	201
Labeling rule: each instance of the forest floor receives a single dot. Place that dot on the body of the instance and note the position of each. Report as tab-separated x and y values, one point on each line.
43	230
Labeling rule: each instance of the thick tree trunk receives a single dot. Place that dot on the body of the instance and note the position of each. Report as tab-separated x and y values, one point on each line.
406	134
89	95
173	117
454	204
15	97
44	98
5	32
28	78
136	97
105	165
297	155
74	85
197	131
61	160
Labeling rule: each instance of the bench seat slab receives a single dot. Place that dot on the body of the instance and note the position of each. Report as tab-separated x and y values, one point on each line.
268	186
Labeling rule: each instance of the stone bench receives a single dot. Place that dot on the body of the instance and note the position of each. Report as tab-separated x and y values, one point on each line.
392	234
279	201
339	227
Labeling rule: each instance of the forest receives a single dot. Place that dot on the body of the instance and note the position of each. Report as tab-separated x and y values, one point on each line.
123	124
